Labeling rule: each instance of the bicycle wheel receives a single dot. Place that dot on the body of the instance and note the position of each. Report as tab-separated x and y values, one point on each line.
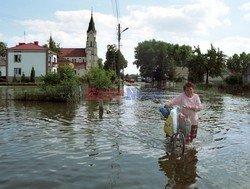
179	144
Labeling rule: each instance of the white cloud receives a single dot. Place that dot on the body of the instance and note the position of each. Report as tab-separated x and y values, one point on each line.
245	6
197	17
235	44
247	16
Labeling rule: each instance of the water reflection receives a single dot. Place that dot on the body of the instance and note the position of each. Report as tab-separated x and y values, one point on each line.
92	107
47	109
181	172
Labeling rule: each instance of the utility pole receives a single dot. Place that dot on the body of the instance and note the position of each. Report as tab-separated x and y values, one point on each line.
119	49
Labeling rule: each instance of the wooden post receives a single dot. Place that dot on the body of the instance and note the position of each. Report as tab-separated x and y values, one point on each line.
100	109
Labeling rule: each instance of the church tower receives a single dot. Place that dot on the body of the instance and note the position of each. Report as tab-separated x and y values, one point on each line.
91	45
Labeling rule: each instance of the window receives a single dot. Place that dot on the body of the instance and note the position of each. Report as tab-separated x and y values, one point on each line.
17	71
17	58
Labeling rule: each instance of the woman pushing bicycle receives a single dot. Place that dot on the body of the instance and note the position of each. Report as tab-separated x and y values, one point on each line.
191	105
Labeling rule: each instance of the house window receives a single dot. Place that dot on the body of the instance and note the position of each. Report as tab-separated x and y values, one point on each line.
17	71
17	58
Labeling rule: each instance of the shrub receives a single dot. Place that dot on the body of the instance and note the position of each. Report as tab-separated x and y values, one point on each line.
23	78
99	78
234	79
32	75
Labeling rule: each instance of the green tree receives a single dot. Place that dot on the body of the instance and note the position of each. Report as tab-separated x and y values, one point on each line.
3	49
52	45
100	64
238	63
32	75
158	55
113	55
110	62
99	78
195	64
214	63
183	54
63	84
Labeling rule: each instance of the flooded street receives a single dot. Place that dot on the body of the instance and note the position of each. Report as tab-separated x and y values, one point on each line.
62	146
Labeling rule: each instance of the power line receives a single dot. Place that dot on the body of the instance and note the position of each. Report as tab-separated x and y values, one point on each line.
112	3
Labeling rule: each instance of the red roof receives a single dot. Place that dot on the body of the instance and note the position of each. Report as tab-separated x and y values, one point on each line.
72	52
80	65
28	46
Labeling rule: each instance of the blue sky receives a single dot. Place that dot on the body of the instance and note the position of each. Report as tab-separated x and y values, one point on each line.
224	23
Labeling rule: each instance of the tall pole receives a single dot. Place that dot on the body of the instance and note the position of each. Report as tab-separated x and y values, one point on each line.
119	46
119	52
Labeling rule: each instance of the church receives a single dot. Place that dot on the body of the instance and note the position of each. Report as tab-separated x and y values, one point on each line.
23	57
82	59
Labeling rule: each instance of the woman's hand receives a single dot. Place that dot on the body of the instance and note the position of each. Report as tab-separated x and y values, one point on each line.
190	107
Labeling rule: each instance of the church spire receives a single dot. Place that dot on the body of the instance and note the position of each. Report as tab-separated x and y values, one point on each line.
91	23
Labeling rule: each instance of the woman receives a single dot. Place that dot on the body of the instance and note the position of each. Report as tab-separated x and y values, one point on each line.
191	105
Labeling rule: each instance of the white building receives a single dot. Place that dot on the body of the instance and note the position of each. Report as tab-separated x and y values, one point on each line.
22	57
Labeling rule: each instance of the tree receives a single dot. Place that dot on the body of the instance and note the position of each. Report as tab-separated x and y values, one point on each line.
62	85
152	54
32	75
3	49
238	63
52	45
110	58
99	78
113	55
214	63
100	65
195	66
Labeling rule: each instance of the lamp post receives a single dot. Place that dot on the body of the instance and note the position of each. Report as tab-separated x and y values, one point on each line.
119	47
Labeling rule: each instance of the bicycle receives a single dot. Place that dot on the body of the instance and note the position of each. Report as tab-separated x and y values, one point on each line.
176	126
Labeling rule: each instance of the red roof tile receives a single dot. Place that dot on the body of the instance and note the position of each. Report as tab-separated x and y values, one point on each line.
80	65
28	46
72	52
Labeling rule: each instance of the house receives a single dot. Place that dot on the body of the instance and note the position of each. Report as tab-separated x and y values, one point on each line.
246	75
22	57
182	72
80	69
52	62
83	58
2	68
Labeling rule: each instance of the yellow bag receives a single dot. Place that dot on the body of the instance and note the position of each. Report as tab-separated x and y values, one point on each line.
168	126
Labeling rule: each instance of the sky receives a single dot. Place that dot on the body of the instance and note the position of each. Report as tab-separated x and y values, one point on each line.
223	23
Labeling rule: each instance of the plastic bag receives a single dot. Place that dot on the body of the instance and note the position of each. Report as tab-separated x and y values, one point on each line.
184	124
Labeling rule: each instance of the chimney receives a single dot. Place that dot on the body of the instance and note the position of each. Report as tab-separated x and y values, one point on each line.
36	42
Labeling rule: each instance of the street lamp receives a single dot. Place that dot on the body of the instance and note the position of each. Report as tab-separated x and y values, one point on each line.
119	46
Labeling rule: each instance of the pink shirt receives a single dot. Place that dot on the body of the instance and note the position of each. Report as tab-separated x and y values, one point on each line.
183	100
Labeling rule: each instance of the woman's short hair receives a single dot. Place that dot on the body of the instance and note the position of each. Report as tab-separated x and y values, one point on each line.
188	84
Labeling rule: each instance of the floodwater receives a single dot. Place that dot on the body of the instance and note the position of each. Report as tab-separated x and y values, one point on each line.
62	146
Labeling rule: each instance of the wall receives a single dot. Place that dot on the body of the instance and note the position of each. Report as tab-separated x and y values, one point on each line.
29	59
